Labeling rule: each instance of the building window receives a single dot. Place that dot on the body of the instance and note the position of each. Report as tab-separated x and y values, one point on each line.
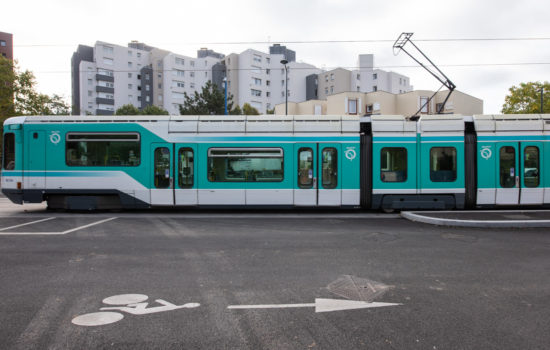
326	90
424	105
108	61
192	85
180	61
267	82
90	82
352	106
147	87
108	50
268	60
443	164
179	84
89	93
256	92
326	78
400	81
282	94
358	76
129	53
257	81
129	75
192	74
267	94
375	76
147	77
331	76
257	58
192	63
129	64
160	98
106	72
369	109
267	71
245	165
375	88
160	86
358	89
2	43
130	98
206	74
102	149
147	99
393	164
179	73
332	89
139	54
130	86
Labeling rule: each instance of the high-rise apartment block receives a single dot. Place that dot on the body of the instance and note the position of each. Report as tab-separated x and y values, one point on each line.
6	45
107	76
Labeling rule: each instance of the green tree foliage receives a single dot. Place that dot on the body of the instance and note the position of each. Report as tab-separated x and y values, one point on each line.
154	110
210	101
270	111
130	109
249	110
19	97
525	98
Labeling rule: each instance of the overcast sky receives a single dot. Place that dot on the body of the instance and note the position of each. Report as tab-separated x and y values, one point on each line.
46	33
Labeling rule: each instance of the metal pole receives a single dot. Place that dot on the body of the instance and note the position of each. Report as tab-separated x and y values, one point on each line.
225	101
286	89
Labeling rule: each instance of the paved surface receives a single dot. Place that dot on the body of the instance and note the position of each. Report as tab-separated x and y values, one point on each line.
483	218
464	288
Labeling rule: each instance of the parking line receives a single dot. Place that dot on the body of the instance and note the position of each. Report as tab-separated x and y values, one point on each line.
86	226
27	223
58	233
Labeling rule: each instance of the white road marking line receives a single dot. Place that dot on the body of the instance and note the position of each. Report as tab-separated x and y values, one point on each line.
320	305
27	223
59	233
89	225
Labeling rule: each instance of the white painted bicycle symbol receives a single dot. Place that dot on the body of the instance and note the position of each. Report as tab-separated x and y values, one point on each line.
133	304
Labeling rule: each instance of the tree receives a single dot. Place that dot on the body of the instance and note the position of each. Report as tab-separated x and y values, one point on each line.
249	110
236	111
209	101
270	111
19	97
525	98
154	110
128	109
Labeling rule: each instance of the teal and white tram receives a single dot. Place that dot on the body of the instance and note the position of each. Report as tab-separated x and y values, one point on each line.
377	162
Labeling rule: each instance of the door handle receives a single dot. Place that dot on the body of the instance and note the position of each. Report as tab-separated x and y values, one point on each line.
314	182
517	181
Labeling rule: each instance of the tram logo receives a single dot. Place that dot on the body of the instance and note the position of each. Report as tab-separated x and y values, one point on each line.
486	152
54	137
350	153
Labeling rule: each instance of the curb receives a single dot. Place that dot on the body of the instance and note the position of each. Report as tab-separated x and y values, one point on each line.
412	216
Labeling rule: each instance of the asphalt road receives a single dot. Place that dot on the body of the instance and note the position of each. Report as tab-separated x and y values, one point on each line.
459	288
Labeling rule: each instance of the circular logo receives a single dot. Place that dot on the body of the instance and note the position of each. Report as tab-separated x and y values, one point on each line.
486	153
54	137
350	153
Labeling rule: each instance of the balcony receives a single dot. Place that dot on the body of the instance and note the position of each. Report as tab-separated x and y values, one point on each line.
108	90
104	112
105	101
104	78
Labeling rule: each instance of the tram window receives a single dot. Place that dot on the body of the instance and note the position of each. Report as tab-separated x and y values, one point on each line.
531	166
162	167
103	149
9	151
329	175
305	168
393	164
185	168
443	164
245	165
507	167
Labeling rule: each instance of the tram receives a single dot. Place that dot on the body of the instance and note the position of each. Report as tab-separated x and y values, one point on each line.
372	162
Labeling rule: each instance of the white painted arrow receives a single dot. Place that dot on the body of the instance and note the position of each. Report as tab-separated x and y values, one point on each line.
320	305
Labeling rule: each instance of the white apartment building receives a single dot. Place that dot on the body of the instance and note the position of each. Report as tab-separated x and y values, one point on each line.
108	76
258	78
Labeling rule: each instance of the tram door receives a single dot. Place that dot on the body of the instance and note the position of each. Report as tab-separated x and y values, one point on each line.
318	180
519	173
185	187
162	184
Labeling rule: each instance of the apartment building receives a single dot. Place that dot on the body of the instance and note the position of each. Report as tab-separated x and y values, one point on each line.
6	45
363	79
107	76
385	103
259	78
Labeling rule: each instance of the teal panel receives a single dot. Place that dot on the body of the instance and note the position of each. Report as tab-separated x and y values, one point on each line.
350	166
410	178
426	181
487	155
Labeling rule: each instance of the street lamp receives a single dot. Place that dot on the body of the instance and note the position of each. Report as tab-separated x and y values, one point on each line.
225	100
284	62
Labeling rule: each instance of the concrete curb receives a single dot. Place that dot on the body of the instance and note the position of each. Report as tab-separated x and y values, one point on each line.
474	223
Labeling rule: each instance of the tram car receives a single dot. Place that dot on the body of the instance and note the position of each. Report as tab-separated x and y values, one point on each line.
374	162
